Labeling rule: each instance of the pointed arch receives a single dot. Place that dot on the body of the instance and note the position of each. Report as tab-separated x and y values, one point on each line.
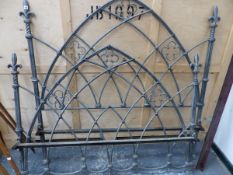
125	21
127	59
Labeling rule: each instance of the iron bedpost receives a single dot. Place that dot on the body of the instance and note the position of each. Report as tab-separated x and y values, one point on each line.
14	72
193	122
213	25
19	130
26	14
196	91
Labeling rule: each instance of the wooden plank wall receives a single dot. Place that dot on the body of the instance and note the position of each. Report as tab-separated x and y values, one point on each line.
56	19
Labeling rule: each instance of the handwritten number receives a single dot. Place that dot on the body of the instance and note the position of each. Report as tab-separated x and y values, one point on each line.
120	11
142	10
110	12
130	11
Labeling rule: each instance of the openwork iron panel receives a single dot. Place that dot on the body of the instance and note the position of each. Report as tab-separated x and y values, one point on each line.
121	101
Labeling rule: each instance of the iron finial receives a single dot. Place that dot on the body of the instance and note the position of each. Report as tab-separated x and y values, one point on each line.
25	5
14	66
26	11
215	18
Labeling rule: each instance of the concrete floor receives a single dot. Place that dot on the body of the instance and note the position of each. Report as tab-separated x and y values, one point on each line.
63	160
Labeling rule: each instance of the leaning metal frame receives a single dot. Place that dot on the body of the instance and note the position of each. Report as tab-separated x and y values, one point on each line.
109	61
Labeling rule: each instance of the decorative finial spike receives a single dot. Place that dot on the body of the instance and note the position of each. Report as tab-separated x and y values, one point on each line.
14	66
25	5
215	18
14	59
26	11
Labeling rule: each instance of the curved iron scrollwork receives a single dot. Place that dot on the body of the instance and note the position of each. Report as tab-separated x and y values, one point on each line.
136	92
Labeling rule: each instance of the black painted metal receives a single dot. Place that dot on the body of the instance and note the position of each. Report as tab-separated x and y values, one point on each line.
222	100
14	66
57	99
213	24
19	129
26	14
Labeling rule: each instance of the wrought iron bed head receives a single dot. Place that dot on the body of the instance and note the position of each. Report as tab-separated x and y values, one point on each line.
123	86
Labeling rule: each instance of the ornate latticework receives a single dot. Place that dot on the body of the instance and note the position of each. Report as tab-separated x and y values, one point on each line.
121	100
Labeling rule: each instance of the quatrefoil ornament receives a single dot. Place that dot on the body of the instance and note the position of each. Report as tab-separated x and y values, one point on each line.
59	99
110	58
81	51
171	51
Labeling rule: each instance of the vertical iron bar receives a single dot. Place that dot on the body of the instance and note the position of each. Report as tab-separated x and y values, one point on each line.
213	25
14	72
190	151
27	14
19	130
28	35
222	100
194	119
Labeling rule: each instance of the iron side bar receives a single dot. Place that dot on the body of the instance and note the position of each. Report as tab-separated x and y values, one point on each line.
19	130
14	72
196	93
213	25
102	142
216	117
27	14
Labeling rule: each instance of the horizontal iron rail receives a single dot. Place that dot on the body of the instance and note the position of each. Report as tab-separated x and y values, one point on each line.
102	142
116	107
109	130
98	138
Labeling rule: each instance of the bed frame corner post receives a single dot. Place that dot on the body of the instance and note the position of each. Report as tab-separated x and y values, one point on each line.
213	20
19	130
14	72
27	14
